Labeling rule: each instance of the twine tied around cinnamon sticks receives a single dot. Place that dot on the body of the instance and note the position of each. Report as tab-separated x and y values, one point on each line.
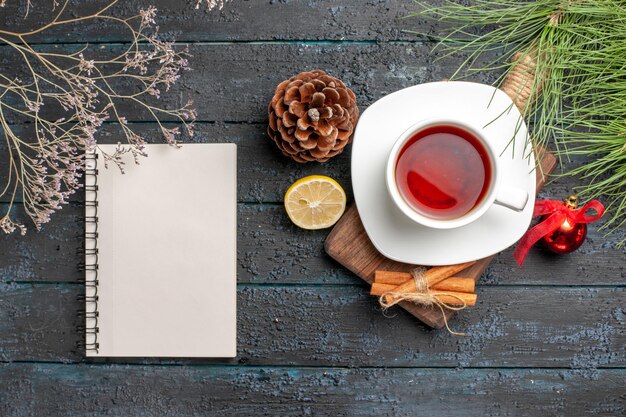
434	287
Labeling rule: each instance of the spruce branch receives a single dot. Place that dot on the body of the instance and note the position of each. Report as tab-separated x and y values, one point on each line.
578	97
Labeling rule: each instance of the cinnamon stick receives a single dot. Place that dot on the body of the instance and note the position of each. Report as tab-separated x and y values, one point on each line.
456	284
452	298
459	284
379	289
392	277
432	276
456	298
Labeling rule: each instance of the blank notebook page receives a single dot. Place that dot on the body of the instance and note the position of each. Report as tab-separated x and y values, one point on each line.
167	253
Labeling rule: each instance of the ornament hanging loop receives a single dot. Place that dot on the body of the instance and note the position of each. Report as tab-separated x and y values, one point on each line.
571	202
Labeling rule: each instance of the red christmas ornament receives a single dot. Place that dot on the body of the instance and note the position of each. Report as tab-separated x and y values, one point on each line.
562	228
568	236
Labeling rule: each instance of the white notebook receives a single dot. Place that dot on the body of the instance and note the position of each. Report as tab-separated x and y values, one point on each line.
161	253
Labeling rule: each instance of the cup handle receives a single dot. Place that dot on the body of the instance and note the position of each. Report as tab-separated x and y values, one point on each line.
512	198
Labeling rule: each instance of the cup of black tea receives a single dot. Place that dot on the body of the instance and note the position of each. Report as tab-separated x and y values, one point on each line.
444	174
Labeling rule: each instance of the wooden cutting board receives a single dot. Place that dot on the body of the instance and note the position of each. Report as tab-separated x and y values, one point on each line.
349	245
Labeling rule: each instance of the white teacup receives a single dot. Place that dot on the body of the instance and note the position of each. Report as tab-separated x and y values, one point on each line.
496	192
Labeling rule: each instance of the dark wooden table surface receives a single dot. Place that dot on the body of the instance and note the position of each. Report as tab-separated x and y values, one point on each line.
544	340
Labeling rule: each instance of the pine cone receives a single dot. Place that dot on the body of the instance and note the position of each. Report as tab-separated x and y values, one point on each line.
312	116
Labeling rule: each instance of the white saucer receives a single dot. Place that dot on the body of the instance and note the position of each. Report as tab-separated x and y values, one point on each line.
393	234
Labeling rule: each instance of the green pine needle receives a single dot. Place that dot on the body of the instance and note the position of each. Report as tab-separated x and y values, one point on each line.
579	104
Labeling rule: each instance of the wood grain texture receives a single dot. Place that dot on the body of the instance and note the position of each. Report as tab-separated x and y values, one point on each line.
263	173
249	20
235	82
349	245
312	342
343	326
271	250
114	390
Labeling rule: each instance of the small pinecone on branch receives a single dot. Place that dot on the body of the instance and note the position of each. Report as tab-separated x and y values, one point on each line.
312	116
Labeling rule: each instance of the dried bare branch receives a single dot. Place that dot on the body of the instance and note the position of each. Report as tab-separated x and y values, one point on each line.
82	89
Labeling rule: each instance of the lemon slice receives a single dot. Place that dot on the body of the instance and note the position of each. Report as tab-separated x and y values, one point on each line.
315	202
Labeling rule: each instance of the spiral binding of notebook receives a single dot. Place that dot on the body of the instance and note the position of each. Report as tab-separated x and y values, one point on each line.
90	250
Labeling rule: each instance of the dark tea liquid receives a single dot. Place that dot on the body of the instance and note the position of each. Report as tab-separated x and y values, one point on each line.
443	172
